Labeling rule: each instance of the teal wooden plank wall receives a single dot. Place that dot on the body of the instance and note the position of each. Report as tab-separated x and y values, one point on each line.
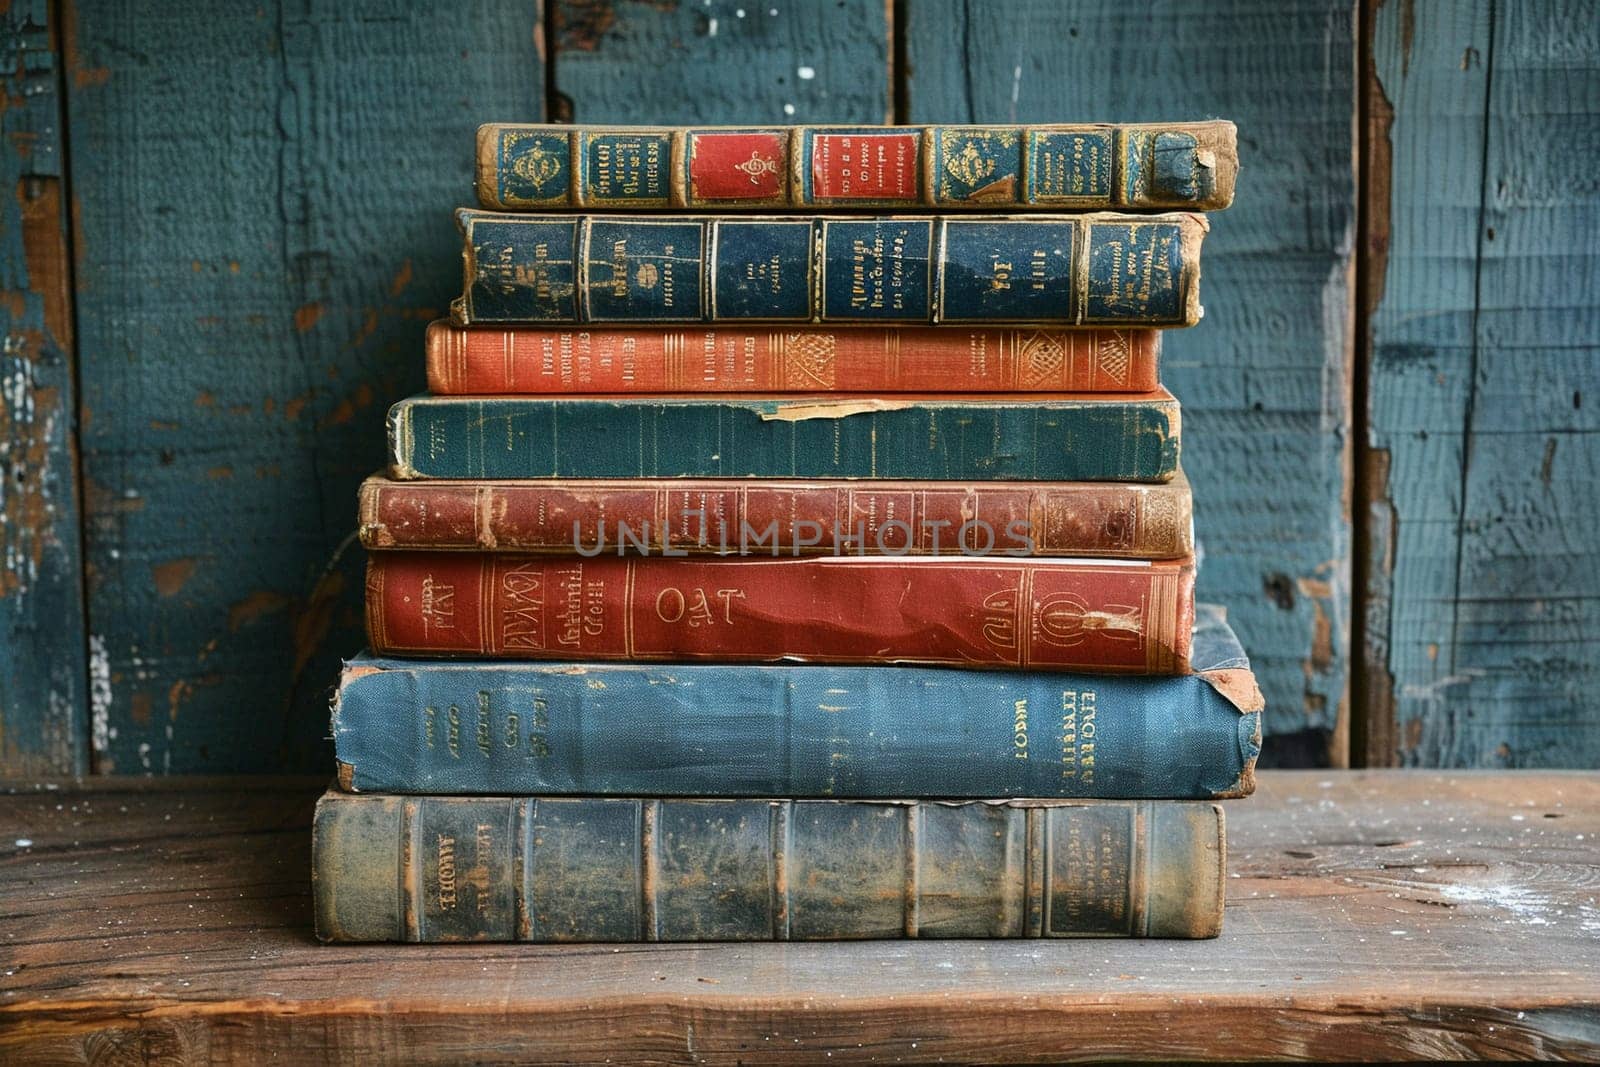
1482	641
263	231
231	224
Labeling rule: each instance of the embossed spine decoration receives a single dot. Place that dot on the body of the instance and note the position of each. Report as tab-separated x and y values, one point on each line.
548	869
1049	614
1088	167
1046	270
707	517
526	360
1073	437
486	727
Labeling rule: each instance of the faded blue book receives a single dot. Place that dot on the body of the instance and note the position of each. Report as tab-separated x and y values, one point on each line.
800	731
1058	270
1047	437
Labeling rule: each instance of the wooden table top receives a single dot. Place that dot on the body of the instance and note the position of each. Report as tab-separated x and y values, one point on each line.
1370	915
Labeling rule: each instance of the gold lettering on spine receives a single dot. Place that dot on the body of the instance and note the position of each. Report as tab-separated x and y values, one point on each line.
1019	729
522	607
478	877
1078	727
445	852
1069	733
481	735
694	607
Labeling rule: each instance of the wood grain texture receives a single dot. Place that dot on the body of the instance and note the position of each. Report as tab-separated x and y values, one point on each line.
43	677
1263	378
1485	572
733	62
1398	915
263	231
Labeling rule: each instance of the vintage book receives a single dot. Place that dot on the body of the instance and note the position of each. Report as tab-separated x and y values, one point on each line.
508	360
623	729
1125	520
1052	270
1106	616
394	868
1001	437
1189	165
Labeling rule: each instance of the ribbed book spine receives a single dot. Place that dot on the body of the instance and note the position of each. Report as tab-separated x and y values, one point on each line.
1048	270
863	359
464	727
789	518
1049	437
388	868
1085	167
1092	615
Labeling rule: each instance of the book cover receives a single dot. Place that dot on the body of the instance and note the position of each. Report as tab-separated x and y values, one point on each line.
485	360
1003	437
706	516
1105	616
392	868
1048	270
1190	165
619	729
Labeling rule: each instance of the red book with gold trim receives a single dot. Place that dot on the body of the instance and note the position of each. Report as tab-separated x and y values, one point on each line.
528	360
1042	614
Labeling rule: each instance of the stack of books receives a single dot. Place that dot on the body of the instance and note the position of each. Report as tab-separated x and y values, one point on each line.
792	544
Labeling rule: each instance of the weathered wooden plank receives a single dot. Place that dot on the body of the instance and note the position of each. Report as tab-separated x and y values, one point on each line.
1486	343
1389	915
723	61
263	231
43	678
1264	379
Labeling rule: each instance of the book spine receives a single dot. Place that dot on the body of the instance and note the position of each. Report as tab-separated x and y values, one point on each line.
722	517
388	868
1122	439
1091	615
1048	270
814	731
529	360
986	168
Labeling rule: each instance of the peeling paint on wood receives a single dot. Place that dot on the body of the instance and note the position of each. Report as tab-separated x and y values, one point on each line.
43	673
264	224
1263	379
1486	343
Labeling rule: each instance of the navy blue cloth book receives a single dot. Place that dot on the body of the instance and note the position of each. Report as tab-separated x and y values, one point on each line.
1063	270
622	729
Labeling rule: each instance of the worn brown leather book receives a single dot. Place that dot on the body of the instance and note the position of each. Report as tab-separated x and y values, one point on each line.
388	868
729	516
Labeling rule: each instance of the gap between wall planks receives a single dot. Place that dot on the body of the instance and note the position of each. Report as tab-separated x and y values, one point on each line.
1483	464
1265	378
43	673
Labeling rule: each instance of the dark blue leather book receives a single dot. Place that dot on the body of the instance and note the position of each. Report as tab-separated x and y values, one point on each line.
801	731
1063	437
1058	270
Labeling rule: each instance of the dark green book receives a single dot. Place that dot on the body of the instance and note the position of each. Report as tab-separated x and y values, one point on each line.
389	868
1064	437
